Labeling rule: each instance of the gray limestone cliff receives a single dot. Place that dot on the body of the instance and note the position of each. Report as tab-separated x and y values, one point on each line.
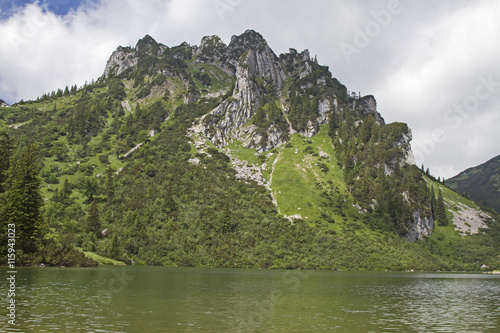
420	226
121	60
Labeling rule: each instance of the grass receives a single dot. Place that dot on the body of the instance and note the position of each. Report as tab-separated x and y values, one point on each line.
447	235
300	182
100	259
450	197
245	154
220	79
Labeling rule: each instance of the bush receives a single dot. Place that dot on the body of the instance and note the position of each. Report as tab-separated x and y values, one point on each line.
308	150
104	159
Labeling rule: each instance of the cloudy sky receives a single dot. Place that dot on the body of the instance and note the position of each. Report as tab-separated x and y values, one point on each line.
434	65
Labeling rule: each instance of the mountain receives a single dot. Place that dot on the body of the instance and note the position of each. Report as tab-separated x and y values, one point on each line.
228	155
480	183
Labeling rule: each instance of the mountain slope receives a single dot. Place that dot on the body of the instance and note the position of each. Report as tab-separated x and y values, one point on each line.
231	156
480	183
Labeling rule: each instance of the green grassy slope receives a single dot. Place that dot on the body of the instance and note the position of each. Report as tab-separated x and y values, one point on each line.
311	185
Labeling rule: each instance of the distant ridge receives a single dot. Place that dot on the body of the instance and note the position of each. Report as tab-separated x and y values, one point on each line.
480	183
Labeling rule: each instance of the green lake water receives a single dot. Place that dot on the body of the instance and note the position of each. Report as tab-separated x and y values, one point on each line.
166	299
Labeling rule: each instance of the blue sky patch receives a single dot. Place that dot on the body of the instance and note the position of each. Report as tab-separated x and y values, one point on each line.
58	7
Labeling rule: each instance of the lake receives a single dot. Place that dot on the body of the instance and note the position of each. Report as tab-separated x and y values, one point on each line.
168	299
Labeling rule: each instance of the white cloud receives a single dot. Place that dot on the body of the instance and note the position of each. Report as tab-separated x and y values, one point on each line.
427	58
442	68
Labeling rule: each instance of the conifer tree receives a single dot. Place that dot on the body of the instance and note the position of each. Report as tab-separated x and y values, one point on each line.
114	248
433	203
110	189
90	187
6	147
22	199
56	197
66	187
170	203
226	222
333	123
442	219
365	131
93	219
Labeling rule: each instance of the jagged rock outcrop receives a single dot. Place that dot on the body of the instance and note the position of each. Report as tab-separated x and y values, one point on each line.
211	49
121	60
367	105
264	64
404	144
124	58
223	124
325	106
149	45
420	226
229	120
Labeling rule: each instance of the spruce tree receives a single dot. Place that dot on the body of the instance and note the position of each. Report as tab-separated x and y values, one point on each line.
170	204
90	187
442	219
226	222
110	188
22	199
93	219
67	188
114	248
6	148
433	203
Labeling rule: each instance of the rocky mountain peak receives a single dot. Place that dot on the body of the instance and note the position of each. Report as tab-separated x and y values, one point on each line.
212	41
147	44
211	49
249	39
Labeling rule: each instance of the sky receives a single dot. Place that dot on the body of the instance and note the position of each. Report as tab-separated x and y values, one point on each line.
431	64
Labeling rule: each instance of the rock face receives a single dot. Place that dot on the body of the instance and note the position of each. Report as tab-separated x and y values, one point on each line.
121	60
230	120
420	227
126	57
468	220
367	105
404	144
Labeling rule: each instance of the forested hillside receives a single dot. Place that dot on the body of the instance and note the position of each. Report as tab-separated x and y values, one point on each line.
226	156
480	183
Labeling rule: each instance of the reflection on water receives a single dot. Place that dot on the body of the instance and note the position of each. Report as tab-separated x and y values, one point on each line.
162	299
